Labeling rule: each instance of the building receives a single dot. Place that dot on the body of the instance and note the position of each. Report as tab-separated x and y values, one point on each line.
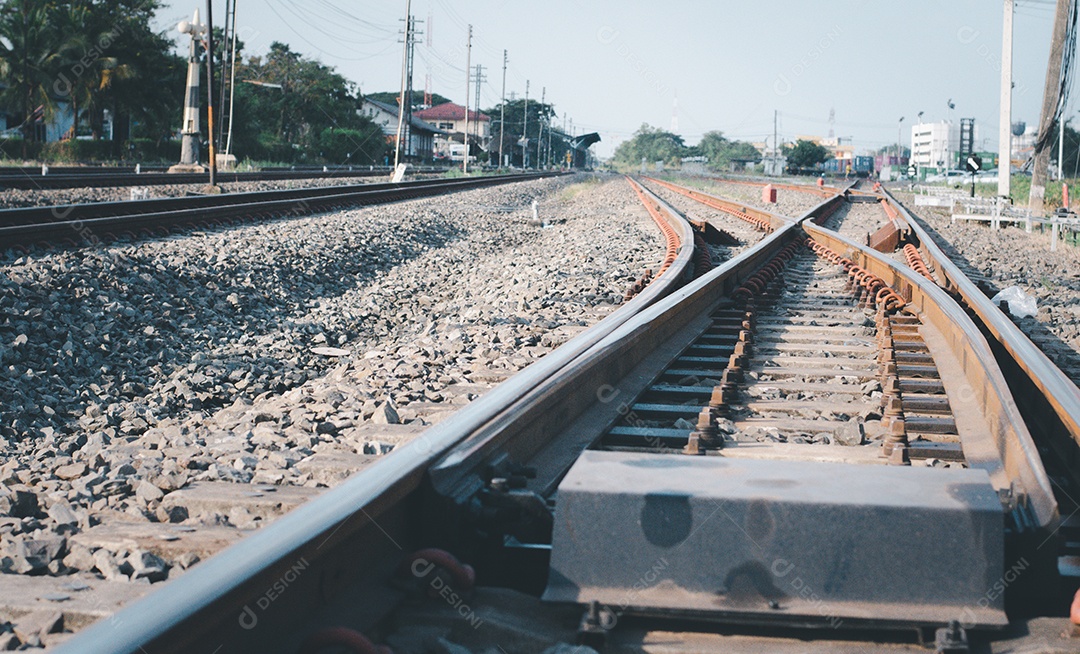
449	118
421	145
935	147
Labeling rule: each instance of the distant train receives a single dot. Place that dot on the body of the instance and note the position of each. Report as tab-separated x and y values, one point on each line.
862	166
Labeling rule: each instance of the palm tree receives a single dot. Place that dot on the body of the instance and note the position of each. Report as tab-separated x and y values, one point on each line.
28	56
73	81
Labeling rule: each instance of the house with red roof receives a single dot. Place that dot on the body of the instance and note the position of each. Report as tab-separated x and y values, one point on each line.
449	117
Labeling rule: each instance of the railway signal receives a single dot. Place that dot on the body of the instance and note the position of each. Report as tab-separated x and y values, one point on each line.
973	165
189	149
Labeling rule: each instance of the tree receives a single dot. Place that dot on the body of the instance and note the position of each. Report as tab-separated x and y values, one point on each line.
651	144
720	151
540	116
806	154
313	115
890	151
416	97
28	56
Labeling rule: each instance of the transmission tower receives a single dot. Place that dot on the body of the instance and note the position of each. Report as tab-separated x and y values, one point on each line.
479	77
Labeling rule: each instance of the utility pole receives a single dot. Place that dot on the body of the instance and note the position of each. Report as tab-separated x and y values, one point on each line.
525	131
1050	108
225	62
1005	116
540	134
549	142
479	78
502	112
232	83
410	43
210	91
465	136
401	97
775	143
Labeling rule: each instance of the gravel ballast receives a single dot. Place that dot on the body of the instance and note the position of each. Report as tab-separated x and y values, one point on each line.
14	198
789	202
252	353
1012	257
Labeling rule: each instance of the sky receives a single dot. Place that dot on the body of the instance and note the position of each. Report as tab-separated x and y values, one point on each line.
610	66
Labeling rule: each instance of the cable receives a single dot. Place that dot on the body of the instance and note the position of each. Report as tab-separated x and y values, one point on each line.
1064	87
316	47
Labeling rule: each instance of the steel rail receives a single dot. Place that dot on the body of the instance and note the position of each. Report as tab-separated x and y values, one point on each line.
823	191
72	223
1018	454
347	542
1049	400
1017	459
68	178
210	608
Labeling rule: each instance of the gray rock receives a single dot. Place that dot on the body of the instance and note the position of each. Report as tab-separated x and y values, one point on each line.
62	514
107	566
35	625
146	565
851	433
148	492
172	514
33	556
385	414
71	471
187	559
24	504
79	558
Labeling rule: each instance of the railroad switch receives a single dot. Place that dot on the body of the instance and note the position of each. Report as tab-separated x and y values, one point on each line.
595	625
951	640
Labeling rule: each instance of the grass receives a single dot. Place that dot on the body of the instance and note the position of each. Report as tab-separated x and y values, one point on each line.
574	190
1020	187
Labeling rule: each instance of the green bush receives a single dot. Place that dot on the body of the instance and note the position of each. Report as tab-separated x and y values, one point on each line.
12	152
353	146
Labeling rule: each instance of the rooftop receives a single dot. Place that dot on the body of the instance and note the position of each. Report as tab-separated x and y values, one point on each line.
449	111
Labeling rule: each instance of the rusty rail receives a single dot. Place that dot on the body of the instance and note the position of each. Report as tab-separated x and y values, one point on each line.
1049	400
1015	457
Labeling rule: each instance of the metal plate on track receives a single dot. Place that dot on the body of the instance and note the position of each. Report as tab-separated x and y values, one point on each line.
794	541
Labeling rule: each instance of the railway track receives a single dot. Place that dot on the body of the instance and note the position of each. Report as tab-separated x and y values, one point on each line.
80	177
78	224
810	444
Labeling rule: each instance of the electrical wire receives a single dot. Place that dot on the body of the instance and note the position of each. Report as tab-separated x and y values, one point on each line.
270	5
1045	138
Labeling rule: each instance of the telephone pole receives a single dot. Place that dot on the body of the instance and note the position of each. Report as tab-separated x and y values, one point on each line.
540	134
225	62
210	92
465	136
410	48
525	131
479	78
1051	108
401	98
549	141
1005	116
502	112
232	84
